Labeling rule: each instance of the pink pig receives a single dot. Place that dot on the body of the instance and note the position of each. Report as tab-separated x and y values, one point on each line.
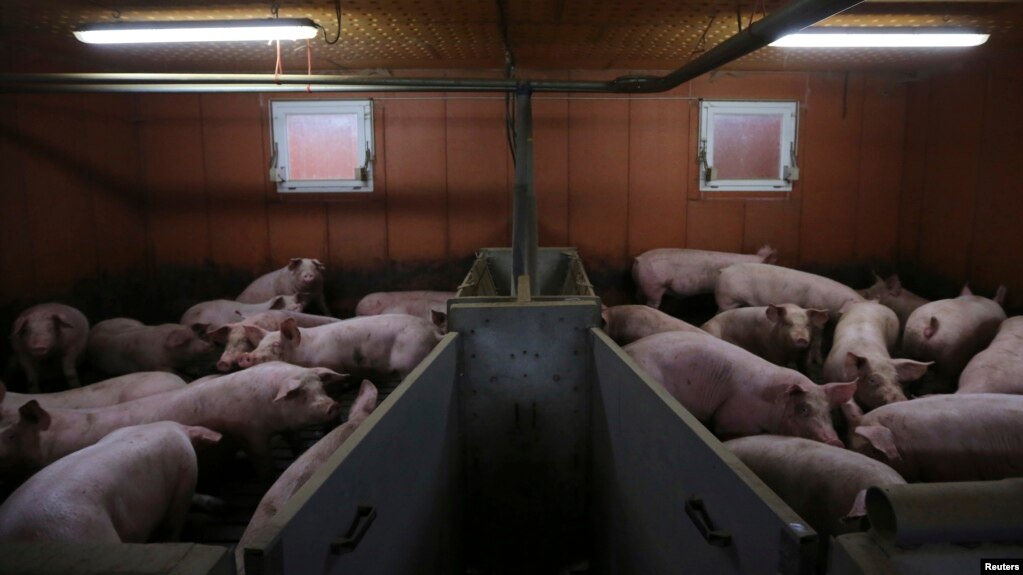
380	344
122	345
429	305
302	277
242	337
102	393
628	323
224	311
737	393
891	294
685	272
778	333
999	368
824	484
762	284
950	332
50	334
860	351
968	437
133	486
248	407
296	475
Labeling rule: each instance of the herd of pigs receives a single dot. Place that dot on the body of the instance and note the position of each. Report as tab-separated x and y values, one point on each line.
733	374
264	366
118	460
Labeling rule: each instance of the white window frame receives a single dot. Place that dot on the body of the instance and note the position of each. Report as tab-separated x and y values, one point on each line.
787	167
279	169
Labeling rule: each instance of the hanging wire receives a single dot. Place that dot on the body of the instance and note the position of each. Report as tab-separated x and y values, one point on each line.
703	38
738	13
509	72
337	35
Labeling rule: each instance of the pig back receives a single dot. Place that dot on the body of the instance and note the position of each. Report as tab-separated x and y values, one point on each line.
951	331
753	284
999	368
822	483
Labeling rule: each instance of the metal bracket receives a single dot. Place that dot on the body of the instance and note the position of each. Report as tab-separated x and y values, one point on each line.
364	517
697	512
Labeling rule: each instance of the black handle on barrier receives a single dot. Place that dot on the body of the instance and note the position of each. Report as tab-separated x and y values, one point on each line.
697	512
364	516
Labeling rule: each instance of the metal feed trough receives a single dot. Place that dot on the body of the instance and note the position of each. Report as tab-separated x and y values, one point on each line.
528	442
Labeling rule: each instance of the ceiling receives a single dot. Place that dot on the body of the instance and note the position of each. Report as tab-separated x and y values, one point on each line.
385	35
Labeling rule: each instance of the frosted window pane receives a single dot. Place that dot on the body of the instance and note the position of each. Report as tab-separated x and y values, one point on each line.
746	146
323	146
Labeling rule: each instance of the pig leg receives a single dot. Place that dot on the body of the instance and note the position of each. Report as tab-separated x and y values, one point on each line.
321	302
174	521
258	450
70	372
28	365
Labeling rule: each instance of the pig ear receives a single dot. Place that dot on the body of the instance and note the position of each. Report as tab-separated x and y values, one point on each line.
818	317
218	335
200	329
775	313
289	331
966	290
856	363
852	413
278	303
254	334
839	393
202	436
859	507
932	328
881	438
909	370
60	321
289	388
319	265
294	263
438	317
893	284
33	414
177	338
768	255
19	326
1000	295
329	377
845	306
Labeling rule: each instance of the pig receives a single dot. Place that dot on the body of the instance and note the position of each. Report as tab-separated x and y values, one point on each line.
133	486
826	485
122	345
778	333
241	337
684	272
100	394
296	475
891	294
761	284
968	437
429	305
50	334
950	332
376	344
628	323
999	368
737	393
302	277
861	349
224	311
248	407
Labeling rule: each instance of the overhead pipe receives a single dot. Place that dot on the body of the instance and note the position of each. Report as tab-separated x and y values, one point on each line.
791	18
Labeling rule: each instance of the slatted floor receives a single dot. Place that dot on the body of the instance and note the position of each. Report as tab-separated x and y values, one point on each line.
240	488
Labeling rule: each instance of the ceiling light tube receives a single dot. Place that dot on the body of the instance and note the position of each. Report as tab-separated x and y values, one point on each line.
879	38
198	31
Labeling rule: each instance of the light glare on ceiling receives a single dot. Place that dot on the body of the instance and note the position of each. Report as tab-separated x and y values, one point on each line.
868	38
199	31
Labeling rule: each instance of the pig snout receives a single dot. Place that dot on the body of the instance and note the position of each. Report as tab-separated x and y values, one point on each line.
246	360
802	343
223	365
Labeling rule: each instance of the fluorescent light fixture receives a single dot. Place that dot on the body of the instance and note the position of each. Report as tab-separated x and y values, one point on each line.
880	38
198	31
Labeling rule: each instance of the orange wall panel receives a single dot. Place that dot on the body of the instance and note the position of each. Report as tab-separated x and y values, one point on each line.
415	154
950	185
715	225
881	144
236	178
598	178
550	167
173	170
774	222
914	165
297	230
830	168
477	163
658	171
17	246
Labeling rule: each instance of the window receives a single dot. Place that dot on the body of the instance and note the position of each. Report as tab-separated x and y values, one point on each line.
322	145
747	146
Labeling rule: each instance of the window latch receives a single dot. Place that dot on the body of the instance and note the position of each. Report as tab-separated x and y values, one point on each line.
791	172
278	174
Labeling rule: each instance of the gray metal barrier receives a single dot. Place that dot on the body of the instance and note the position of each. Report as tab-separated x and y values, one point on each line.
104	559
560	271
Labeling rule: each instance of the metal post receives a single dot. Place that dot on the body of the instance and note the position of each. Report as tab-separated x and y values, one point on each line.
524	238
